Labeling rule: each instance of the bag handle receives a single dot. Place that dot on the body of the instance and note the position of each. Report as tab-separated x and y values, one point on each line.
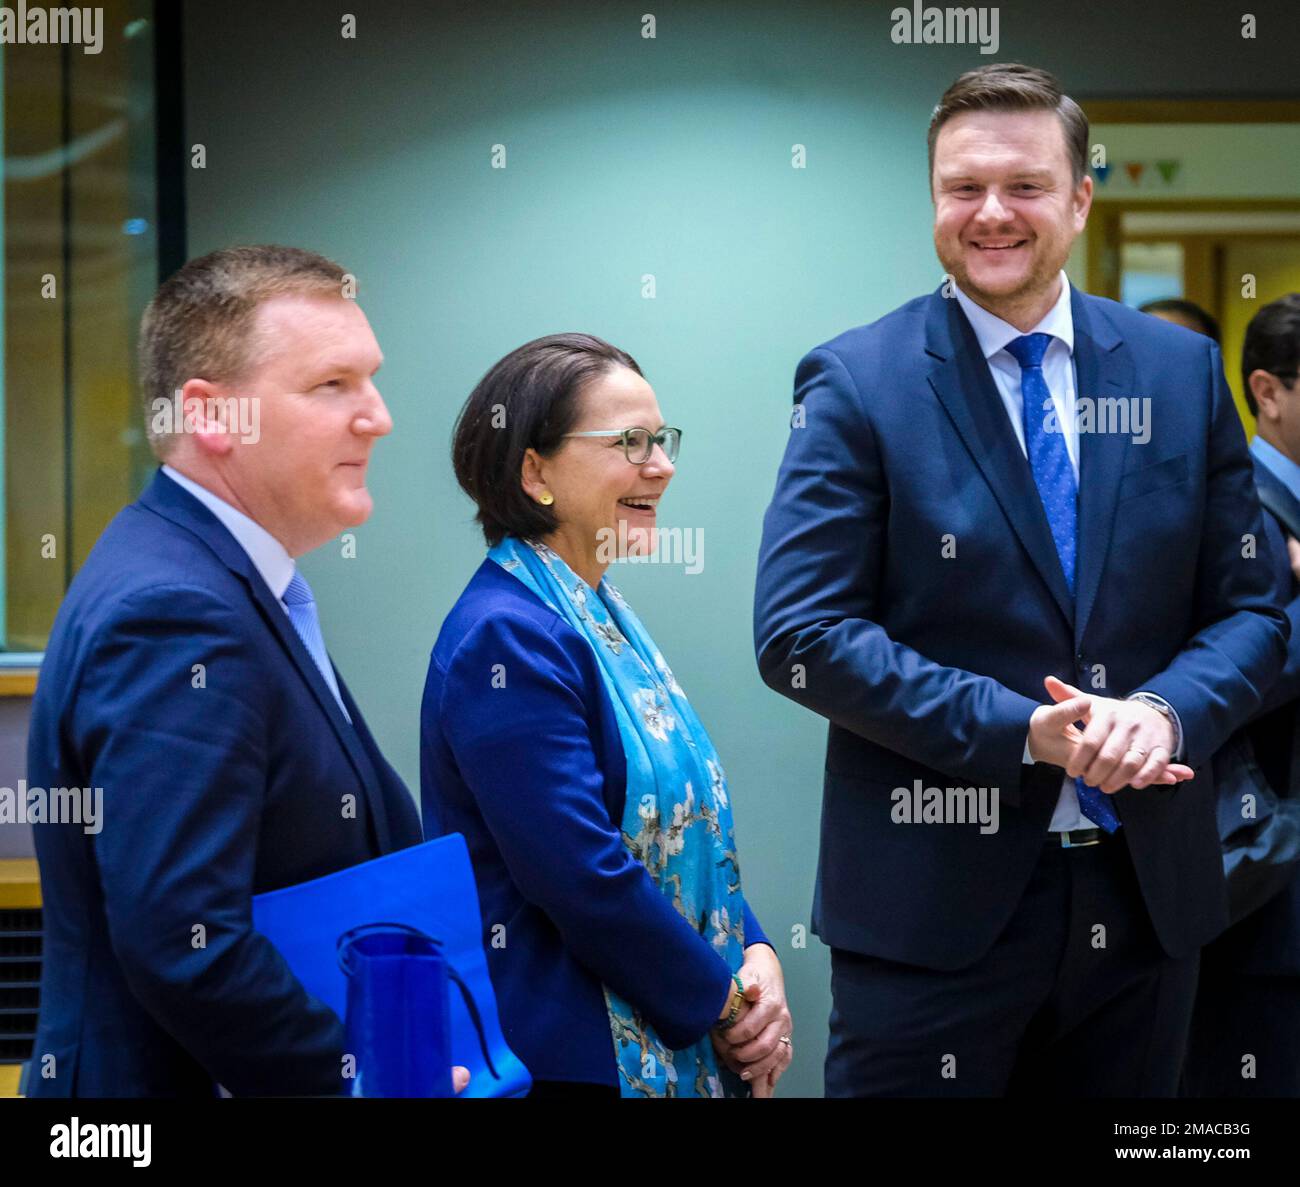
472	1006
345	941
343	948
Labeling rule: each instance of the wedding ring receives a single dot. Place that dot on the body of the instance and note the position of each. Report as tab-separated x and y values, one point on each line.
1135	750
785	1039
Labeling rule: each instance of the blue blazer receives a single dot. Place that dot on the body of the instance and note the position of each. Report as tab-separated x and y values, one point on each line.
520	752
219	782
909	591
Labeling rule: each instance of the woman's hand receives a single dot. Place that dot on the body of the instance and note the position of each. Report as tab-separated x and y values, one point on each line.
753	1048
460	1078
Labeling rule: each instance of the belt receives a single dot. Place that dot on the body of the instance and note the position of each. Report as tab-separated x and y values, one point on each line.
1077	838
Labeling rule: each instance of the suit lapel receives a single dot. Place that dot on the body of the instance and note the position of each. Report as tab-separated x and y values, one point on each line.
1276	498
1104	370
169	500
961	379
375	784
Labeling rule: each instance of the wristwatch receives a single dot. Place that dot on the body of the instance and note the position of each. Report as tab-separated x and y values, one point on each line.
1162	707
737	1000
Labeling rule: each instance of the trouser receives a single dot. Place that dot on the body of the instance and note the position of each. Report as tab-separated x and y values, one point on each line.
1245	1039
1076	998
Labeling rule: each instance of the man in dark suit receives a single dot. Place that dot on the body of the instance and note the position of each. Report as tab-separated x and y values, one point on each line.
1005	508
1245	1038
186	676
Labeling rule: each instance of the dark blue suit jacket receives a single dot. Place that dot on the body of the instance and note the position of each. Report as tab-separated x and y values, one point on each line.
520	752
219	783
929	665
1267	942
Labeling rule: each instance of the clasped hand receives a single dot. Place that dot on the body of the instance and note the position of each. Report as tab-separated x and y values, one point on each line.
753	1048
1123	744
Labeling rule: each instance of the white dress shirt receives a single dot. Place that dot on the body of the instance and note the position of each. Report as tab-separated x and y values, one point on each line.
993	334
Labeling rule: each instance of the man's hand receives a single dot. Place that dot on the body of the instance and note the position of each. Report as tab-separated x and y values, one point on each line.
1053	735
460	1078
1125	744
753	1048
1293	554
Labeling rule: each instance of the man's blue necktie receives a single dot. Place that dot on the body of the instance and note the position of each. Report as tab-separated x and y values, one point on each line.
1050	462
302	613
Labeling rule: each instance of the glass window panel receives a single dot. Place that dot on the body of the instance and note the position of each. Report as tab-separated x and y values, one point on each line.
80	261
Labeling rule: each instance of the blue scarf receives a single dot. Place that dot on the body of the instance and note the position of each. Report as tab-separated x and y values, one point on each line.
677	818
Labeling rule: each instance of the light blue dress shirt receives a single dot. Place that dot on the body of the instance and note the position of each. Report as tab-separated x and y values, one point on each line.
268	555
1278	464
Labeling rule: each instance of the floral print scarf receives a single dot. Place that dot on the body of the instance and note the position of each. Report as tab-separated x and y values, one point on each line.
677	819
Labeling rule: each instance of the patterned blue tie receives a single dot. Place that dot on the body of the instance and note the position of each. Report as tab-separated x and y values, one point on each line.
302	613
1049	460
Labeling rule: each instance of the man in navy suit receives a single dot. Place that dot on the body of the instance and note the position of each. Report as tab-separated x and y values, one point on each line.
1245	1038
1004	509
186	676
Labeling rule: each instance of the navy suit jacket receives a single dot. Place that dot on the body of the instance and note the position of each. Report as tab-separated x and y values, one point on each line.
909	590
219	782
520	752
1267	942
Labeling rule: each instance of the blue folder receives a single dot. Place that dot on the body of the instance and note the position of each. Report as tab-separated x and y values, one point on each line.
430	887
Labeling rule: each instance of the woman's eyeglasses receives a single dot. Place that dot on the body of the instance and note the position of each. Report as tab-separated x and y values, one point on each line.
638	444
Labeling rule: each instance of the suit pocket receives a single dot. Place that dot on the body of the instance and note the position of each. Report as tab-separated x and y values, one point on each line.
1152	478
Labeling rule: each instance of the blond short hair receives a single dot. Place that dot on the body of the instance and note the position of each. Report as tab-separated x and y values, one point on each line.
199	324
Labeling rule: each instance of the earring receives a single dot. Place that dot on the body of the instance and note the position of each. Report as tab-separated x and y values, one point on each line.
546	498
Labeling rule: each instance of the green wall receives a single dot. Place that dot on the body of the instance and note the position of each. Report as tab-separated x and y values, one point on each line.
625	156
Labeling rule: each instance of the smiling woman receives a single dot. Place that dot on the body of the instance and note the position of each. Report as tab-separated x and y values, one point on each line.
528	400
555	737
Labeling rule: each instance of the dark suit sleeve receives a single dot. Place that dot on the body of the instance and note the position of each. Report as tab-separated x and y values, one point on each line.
1219	679
824	544
525	753
184	770
1286	687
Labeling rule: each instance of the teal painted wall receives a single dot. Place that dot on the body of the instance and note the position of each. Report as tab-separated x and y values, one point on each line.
625	156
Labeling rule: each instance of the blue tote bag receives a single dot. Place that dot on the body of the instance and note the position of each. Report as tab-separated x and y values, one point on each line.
391	923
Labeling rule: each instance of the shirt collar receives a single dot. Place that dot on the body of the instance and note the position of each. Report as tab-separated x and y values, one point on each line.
268	555
1278	464
993	333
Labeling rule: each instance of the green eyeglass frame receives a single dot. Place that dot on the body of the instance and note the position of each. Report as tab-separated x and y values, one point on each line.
639	443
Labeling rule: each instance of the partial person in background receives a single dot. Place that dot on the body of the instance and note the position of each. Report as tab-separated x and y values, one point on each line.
554	736
1248	1002
1187	314
186	675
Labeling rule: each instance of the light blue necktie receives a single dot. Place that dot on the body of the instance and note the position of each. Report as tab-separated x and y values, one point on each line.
1050	462
302	613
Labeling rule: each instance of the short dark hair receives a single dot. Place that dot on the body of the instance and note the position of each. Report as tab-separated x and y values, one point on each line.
1009	86
199	324
527	400
1188	309
1272	343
